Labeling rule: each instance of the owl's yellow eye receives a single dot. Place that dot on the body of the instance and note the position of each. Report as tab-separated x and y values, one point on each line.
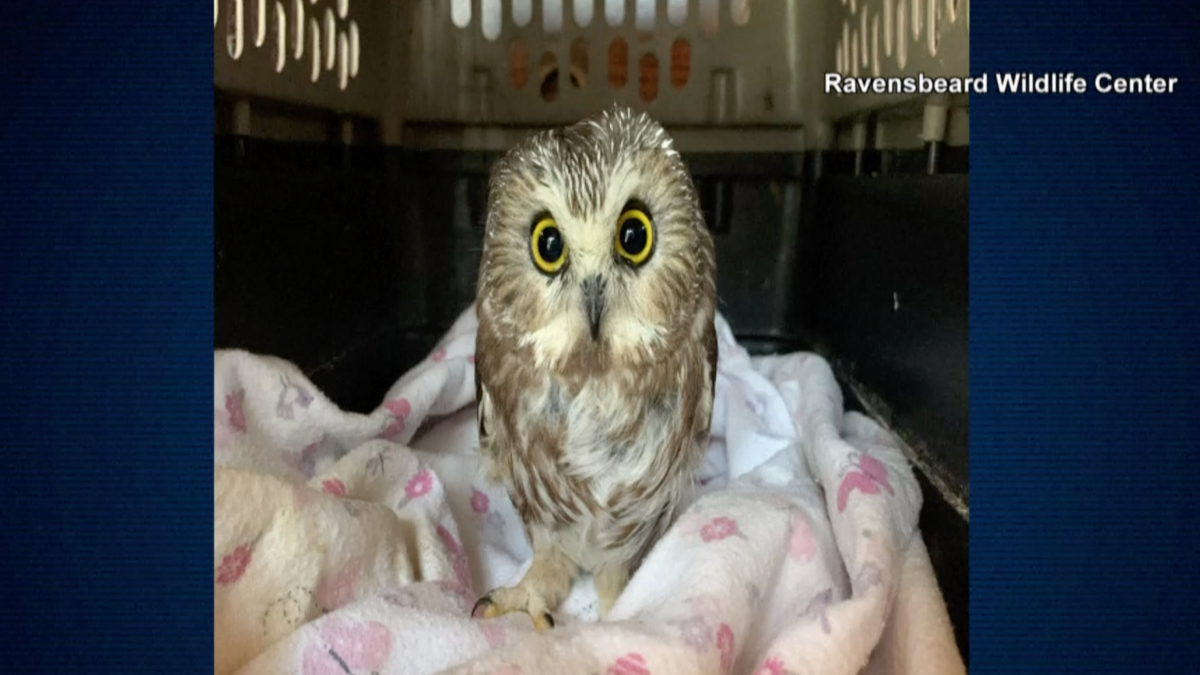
547	245
635	236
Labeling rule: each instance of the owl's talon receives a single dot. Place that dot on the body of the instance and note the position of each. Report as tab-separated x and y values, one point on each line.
499	602
489	609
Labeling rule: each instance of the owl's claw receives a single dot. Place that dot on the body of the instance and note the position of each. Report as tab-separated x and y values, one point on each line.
484	608
488	608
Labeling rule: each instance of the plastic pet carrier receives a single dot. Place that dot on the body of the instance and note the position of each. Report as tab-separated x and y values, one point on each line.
353	141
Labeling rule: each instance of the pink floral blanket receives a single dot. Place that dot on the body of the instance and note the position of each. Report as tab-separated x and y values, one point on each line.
350	544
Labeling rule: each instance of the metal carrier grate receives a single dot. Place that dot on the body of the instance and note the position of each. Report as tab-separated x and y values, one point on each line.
501	64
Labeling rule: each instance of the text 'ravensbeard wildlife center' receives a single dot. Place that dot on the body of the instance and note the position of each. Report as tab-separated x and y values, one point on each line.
1004	83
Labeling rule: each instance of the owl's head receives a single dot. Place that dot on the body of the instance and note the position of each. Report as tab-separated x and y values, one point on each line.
595	242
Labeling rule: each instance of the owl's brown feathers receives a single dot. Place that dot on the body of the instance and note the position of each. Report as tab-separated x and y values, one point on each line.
595	382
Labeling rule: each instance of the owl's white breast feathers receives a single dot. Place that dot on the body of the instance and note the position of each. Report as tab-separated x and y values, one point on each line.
593	418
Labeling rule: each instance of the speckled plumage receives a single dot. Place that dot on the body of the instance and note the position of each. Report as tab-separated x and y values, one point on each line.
595	435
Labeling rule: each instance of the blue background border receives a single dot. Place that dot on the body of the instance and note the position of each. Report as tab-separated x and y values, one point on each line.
1085	320
106	337
1084	291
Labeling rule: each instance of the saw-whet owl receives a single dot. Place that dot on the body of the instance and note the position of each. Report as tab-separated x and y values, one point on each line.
596	352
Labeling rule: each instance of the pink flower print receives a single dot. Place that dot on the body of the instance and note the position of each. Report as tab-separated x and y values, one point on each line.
399	407
462	571
233	565
233	406
283	407
360	646
471	359
419	485
378	464
630	664
318	661
877	548
495	520
334	486
400	598
400	410
305	461
770	667
346	647
221	432
462	595
876	470
817	606
869	576
338	590
802	547
302	496
868	480
448	540
290	609
725	646
438	355
855	481
719	528
479	502
696	633
493	633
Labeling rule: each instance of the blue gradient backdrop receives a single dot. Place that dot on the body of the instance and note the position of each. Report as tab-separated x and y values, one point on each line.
1085	293
106	337
1085	320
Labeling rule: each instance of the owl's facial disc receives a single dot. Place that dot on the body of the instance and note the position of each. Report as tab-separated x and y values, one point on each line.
593	288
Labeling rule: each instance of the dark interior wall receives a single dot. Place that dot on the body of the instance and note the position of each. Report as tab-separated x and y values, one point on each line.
889	305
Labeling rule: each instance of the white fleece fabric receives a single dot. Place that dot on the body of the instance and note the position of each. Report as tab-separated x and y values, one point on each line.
356	544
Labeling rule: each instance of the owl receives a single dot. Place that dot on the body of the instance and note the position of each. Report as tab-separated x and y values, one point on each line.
596	352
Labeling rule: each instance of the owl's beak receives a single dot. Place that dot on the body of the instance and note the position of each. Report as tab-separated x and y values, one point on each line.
593	302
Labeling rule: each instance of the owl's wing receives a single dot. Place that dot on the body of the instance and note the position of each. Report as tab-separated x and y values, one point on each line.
703	419
710	345
482	404
479	403
488	355
685	449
